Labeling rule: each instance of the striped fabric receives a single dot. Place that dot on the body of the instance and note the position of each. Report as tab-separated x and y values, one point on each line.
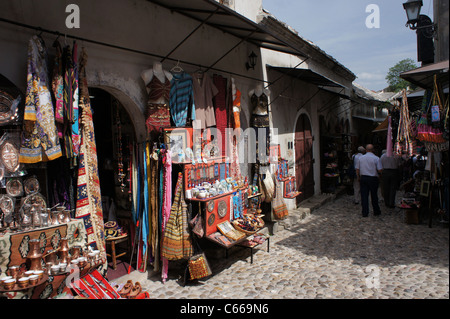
181	98
176	243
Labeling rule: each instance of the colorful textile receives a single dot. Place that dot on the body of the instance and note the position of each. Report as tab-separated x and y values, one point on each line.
39	137
176	242
75	125
89	199
58	88
68	101
220	103
158	90
167	201
204	92
157	117
181	98
280	210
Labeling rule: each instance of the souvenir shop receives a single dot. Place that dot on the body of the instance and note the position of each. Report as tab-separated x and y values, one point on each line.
74	178
420	136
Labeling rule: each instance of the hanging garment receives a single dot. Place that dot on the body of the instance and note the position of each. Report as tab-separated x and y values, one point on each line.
236	107
404	141
68	101
75	125
181	99
220	103
204	92
158	114
260	120
176	242
389	145
154	211
58	88
167	200
89	199
39	137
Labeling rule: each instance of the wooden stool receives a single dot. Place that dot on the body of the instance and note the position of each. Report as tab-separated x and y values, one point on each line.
113	241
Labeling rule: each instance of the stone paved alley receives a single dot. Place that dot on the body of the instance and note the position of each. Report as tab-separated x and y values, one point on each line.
333	253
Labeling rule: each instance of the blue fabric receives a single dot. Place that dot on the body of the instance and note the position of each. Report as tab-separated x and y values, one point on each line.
181	98
145	228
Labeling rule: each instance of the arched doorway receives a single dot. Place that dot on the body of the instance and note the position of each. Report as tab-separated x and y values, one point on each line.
115	135
304	171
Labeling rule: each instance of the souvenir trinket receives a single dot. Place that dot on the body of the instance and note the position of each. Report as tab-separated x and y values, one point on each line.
9	154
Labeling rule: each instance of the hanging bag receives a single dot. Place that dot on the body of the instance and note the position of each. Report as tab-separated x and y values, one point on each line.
198	264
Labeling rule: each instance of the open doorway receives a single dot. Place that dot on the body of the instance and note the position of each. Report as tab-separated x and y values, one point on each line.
115	135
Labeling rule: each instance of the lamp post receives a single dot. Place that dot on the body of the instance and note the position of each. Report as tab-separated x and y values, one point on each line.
425	29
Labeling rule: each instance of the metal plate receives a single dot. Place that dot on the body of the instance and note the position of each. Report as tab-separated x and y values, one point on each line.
222	209
210	206
211	219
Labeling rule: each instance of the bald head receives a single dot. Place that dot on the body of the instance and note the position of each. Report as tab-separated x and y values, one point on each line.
369	148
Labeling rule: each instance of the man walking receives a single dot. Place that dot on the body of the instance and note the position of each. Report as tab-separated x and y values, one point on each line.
368	169
356	183
389	178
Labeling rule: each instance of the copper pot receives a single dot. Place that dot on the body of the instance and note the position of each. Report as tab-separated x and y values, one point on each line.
35	248
50	257
60	210
55	220
63	252
66	218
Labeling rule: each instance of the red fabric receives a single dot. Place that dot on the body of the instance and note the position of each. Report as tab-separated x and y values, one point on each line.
220	103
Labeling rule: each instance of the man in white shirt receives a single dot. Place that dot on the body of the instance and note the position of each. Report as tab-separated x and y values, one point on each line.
356	188
368	169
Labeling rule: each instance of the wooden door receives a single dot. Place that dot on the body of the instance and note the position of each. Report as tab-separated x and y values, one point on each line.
304	171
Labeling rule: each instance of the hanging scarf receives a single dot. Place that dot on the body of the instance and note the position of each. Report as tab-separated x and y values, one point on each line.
89	200
404	141
75	128
58	88
167	200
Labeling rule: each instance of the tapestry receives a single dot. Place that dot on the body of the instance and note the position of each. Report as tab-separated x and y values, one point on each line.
89	203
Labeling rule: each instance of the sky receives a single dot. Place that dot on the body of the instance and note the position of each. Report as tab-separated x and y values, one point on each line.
339	28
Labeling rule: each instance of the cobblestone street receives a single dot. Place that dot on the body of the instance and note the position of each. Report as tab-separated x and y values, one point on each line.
334	253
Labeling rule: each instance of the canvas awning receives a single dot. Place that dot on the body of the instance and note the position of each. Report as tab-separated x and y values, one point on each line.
383	126
424	76
307	75
214	14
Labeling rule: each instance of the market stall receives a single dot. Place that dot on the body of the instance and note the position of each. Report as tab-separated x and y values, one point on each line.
51	222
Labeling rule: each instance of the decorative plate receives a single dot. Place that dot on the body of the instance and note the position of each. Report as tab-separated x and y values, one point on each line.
211	219
222	209
35	199
9	155
31	185
14	187
210	206
6	204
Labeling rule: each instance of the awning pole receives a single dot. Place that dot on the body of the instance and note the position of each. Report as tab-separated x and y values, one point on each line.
229	51
190	34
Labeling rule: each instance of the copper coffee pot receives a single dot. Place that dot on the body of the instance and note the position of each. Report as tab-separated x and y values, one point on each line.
66	218
60	210
34	255
63	252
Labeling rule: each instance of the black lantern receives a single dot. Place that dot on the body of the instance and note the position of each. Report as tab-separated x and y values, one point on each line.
251	61
412	8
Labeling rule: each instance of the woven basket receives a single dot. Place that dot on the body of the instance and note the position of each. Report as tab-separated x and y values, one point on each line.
236	225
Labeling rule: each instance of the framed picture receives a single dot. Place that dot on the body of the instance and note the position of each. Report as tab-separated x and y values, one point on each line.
176	139
425	188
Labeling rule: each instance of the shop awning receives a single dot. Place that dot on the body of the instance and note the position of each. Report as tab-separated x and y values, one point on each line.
424	76
383	126
307	75
372	119
214	14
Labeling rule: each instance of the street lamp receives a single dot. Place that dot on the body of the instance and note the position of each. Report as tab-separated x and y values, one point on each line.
425	29
251	61
412	8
